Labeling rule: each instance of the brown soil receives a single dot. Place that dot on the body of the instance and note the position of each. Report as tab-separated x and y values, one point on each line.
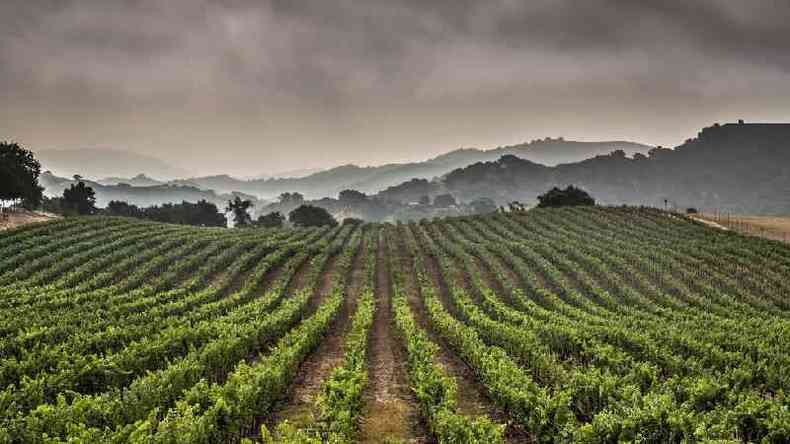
23	217
297	406
769	227
472	397
479	399
390	412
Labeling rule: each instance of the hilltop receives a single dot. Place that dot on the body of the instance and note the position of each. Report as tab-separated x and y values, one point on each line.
738	167
97	163
330	182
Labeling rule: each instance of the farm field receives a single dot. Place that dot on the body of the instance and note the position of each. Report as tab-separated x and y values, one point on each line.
769	227
591	325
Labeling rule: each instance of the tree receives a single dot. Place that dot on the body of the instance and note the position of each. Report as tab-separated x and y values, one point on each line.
570	196
121	208
200	214
239	208
351	196
353	221
79	198
272	220
444	201
19	172
291	198
311	216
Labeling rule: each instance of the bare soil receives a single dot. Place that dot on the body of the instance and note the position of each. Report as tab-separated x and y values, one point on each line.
390	412
19	218
297	406
769	227
473	398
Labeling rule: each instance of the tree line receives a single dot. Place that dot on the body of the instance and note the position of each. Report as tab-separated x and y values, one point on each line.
19	173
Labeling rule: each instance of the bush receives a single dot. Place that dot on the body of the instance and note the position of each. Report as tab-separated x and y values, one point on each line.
353	221
570	196
201	214
272	220
311	216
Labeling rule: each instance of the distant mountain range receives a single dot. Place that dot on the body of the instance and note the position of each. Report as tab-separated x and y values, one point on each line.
740	168
96	163
144	189
329	183
140	180
142	196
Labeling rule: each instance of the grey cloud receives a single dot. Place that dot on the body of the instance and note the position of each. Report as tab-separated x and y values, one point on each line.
371	81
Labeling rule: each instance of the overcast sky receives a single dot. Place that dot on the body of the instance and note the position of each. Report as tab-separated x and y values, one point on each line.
249	87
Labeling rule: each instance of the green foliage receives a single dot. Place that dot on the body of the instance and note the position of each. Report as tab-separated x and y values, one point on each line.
582	325
351	196
352	221
570	196
311	216
274	219
238	207
19	172
79	199
201	213
291	198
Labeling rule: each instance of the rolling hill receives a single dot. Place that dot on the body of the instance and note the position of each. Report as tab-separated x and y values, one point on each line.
97	163
594	324
330	182
741	168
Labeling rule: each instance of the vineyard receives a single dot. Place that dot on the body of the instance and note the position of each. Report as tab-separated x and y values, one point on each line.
590	325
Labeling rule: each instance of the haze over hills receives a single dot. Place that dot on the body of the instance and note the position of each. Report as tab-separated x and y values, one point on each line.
373	179
742	168
97	163
113	167
142	196
140	180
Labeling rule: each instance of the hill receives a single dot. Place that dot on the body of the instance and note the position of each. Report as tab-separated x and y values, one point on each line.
97	163
597	324
140	180
330	182
740	168
142	196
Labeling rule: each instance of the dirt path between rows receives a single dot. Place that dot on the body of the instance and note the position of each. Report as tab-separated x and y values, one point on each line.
483	403
297	406
472	397
390	411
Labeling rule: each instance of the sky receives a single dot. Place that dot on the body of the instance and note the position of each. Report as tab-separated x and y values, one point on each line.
251	87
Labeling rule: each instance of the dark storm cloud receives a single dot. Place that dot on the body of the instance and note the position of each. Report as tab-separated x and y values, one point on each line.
370	81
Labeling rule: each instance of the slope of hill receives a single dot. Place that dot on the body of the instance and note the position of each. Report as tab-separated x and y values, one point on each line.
553	152
742	168
97	163
140	180
143	196
369	180
593	324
